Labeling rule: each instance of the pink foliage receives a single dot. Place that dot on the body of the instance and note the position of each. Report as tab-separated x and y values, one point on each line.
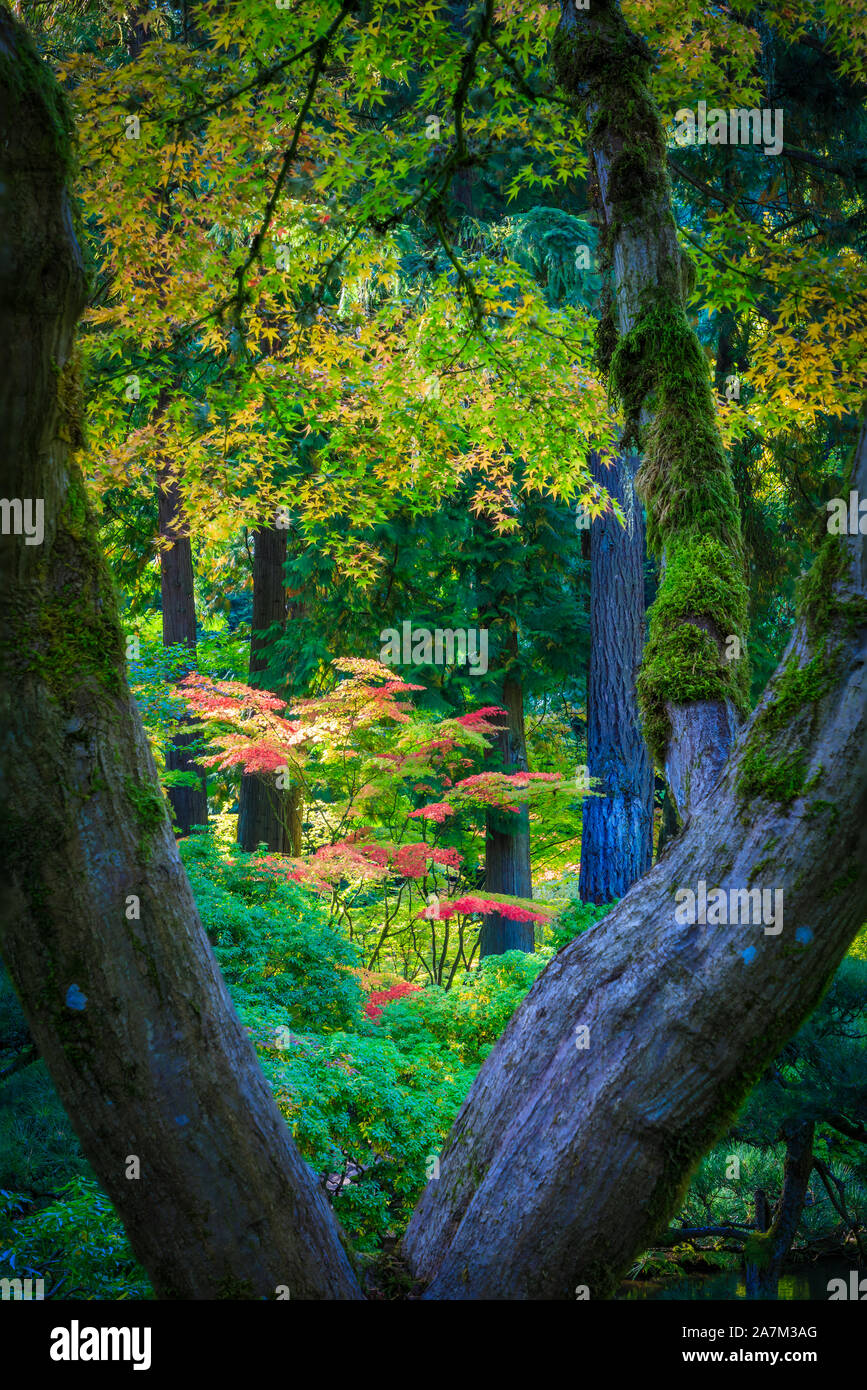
436	811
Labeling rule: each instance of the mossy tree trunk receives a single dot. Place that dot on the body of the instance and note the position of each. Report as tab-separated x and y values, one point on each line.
617	826
98	927
267	814
693	684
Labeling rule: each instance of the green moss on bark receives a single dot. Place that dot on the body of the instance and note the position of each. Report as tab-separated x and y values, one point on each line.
31	85
149	809
78	637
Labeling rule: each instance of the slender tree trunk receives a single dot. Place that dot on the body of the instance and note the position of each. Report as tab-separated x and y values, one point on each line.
267	815
507	836
764	1254
617	826
189	803
98	927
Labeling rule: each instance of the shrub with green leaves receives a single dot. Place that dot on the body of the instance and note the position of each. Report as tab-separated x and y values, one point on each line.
76	1244
364	1103
466	1020
273	940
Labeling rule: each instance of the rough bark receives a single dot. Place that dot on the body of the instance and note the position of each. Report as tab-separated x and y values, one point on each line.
616	826
565	1161
129	1012
507	837
189	803
267	815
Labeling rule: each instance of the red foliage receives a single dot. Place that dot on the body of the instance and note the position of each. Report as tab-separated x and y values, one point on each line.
473	904
480	719
385	996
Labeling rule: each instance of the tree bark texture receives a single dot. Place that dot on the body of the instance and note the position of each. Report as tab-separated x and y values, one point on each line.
606	69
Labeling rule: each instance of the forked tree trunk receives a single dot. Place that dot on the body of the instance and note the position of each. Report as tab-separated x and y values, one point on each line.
617	825
98	927
189	802
267	814
565	1159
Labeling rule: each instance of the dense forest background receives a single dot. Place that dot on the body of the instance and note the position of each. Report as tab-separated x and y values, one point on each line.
343	408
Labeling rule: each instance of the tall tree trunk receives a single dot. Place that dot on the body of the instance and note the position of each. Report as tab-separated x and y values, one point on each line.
764	1254
98	927
507	835
693	695
267	815
617	826
189	803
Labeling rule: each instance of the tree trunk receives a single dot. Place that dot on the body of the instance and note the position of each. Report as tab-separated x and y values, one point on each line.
507	836
98	927
692	694
616	826
764	1254
267	814
189	803
572	1150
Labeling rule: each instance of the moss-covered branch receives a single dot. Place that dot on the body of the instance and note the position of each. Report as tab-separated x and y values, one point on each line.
658	372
